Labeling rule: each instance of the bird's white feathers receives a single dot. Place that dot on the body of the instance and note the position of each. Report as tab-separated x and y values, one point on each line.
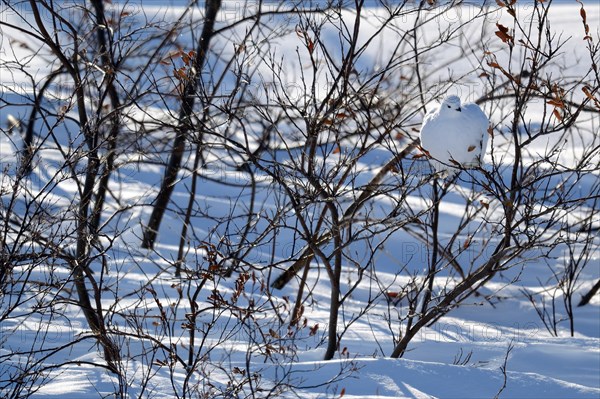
455	133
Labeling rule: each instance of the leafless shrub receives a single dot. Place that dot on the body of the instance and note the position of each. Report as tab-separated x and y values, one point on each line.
282	142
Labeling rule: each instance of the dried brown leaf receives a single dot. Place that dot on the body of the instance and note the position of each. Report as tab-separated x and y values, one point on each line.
502	28
556	102
273	333
588	94
583	15
467	243
557	114
503	34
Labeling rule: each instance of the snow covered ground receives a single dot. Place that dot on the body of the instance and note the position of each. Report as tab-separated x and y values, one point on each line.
493	344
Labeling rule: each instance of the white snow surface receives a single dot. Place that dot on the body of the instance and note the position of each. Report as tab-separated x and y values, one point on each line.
461	356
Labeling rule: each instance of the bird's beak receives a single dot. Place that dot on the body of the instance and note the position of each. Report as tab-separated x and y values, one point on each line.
459	110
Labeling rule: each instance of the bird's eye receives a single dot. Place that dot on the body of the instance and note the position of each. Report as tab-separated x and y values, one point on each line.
449	106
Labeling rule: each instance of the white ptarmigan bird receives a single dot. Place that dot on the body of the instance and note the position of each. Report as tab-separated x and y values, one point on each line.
455	134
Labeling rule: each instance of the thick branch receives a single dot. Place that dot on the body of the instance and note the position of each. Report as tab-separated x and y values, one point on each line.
170	177
308	254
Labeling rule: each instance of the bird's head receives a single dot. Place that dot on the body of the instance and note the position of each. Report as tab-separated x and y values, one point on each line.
451	104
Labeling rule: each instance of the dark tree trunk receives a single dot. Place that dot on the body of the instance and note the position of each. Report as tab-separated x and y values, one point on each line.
187	106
